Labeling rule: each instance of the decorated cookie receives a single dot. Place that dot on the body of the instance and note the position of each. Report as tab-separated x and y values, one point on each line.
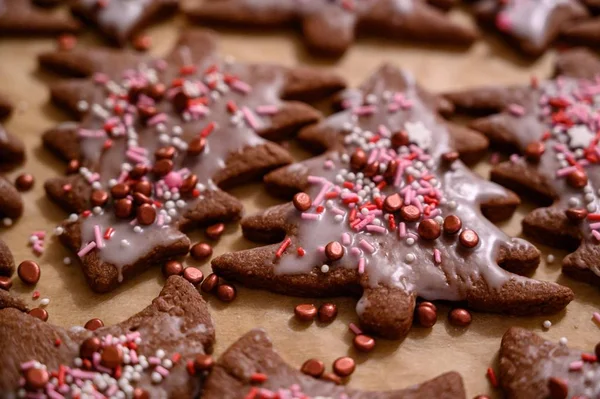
554	125
531	367
7	262
121	20
392	215
531	25
12	150
235	376
21	17
157	139
11	204
578	63
150	355
7	300
329	27
585	32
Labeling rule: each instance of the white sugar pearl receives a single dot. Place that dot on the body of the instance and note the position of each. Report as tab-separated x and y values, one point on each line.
67	260
59	231
338	218
410	241
97	210
82	106
7	222
167	363
573	202
547	324
409	258
112	183
172	212
563	341
137	229
45	302
96	185
73	217
33	239
325	269
160	353
591	207
550	259
452	204
180	203
124	243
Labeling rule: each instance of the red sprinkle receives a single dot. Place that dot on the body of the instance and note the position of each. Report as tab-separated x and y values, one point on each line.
118	371
231	106
66	42
208	129
190	367
286	243
108	233
195	193
320	209
352	215
35	295
252	394
595	217
588	357
301	251
187	70
211	69
67	187
492	377
348	184
57	342
392	222
258	377
61	375
176	357
86	213
331	195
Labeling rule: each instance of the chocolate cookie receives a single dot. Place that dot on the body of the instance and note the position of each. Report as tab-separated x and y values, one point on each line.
9	301
11	204
159	137
12	150
121	20
329	27
554	126
578	63
392	215
150	355
6	107
530	25
7	262
23	18
584	32
234	376
531	367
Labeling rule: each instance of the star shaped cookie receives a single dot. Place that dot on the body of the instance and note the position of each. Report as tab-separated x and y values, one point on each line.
383	218
120	20
531	367
253	354
12	154
161	137
150	354
330	27
554	125
20	17
530	25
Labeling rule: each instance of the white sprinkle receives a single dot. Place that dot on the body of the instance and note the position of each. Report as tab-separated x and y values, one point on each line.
7	222
78	362
172	212
409	258
410	241
591	207
112	183
44	302
547	324
452	204
67	260
97	210
156	378
339	218
33	239
137	229
59	230
160	353
96	185
550	259
325	269
563	341
573	202
73	217
180	203
124	243
82	106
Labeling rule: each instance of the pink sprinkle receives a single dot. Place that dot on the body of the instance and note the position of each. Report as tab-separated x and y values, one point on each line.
384	131
316	179
86	375
595	226
267	109
98	236
100	77
366	246
373	156
596	317
84	251
495	158
434	213
321	249
354	328
514	158
516	109
122	176
329	164
503	22
173	179
375	229
319	198
355	251
133	357
346	239
241	86
39	234
103	369
363	223
153	360
250	118
576	365
393	107
53	394
361	265
134	156
402	230
365	110
156	119
162	371
112	390
27	365
338	211
138	149
309	216
596	234
565	171
94	177
437	256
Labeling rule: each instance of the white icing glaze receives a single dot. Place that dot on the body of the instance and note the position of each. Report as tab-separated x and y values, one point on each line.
119	15
529	18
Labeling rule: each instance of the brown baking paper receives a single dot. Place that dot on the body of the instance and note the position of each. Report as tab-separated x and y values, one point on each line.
424	354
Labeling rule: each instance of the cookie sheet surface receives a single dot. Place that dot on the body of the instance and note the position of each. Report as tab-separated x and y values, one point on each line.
424	354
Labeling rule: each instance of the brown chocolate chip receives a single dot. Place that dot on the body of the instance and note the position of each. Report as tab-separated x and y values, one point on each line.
344	366
215	231
452	224
156	91
410	213
5	283
112	356
534	151
371	169
193	275
89	347
203	362
210	283
172	268
399	139
24	182
390	171
450	156
146	112
165	152
558	388
302	201
459	317
334	251
226	292
123	208
430	304
429	229
99	198
201	251
180	101
143	187
138	171
196	146
327	312
146	214
36	378
120	190
468	238
162	167
305	311
140	198
140	393
73	166
29	272
189	183
578	178
392	203
576	214
426	316
313	367
332	378
363	343
93	324
39	313
358	159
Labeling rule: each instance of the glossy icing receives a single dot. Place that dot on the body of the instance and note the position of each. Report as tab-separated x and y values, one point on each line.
118	15
528	19
398	259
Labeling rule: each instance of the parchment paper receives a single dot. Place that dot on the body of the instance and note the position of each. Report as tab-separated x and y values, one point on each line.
424	354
